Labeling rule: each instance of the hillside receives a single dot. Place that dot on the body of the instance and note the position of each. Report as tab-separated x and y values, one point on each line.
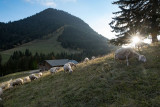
100	82
45	45
31	33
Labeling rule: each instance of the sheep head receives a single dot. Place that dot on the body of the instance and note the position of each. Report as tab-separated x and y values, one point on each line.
142	58
72	64
70	70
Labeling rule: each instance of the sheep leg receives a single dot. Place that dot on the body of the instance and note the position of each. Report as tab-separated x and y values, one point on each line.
127	61
65	71
127	58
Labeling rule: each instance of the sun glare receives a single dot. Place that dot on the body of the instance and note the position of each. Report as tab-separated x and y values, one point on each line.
135	40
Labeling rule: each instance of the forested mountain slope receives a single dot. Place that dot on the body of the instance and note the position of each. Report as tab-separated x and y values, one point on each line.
77	34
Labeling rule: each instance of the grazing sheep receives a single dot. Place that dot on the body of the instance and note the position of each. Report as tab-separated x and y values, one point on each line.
72	64
86	59
39	74
93	57
6	85
26	79
67	67
54	69
2	86
126	53
18	81
33	77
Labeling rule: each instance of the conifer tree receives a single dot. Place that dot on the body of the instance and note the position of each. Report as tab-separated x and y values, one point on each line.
0	64
0	59
141	16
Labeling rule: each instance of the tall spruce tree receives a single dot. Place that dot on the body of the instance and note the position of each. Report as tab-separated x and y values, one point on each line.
141	16
0	64
0	59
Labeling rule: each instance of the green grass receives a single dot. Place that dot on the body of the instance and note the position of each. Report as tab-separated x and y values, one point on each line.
98	83
44	45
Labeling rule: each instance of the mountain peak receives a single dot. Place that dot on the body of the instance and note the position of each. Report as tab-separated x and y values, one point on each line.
49	9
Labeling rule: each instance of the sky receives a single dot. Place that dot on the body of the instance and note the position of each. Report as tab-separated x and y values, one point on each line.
96	13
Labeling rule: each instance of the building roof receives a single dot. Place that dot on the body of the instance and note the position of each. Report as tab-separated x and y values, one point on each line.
74	61
60	62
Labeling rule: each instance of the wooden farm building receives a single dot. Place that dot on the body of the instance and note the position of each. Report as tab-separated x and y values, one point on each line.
55	63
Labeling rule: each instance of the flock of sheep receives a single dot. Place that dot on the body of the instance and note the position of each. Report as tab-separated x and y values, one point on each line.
120	54
68	66
11	83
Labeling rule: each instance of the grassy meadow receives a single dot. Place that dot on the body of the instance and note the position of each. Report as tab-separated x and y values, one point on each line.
45	45
98	83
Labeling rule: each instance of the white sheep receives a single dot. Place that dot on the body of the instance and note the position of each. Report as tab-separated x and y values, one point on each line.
86	59
93	57
6	84
67	67
72	64
33	77
26	79
18	81
39	74
126	53
54	69
3	86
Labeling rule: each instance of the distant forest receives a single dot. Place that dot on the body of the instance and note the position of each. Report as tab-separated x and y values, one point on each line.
22	61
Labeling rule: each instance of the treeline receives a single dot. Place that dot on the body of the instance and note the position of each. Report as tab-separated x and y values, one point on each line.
22	61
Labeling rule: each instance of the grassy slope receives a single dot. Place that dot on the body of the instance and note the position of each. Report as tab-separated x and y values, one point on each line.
100	82
13	76
45	45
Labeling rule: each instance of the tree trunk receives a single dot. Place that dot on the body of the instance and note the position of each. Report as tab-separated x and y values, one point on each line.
155	24
154	37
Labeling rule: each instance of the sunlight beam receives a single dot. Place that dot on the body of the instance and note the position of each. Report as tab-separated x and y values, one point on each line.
135	40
